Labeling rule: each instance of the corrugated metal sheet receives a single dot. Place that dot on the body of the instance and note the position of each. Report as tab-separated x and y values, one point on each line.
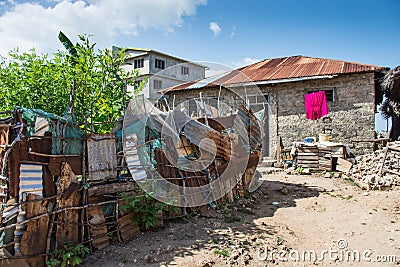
102	157
132	158
30	179
281	68
41	126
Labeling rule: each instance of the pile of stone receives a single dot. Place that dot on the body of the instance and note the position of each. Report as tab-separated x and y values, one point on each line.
378	170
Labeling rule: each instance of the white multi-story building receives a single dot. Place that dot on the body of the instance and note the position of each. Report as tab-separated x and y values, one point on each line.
160	70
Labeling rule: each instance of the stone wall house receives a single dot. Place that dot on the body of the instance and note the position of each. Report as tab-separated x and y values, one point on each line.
279	87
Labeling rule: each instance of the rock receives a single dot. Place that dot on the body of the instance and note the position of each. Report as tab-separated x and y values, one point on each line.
367	168
148	258
285	190
206	263
290	170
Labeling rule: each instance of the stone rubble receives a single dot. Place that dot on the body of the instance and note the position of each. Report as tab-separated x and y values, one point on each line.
367	170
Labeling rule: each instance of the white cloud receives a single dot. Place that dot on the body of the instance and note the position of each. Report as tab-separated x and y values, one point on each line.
233	31
244	62
216	29
28	25
213	72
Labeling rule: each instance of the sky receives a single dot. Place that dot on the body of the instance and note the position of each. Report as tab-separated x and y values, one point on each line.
227	32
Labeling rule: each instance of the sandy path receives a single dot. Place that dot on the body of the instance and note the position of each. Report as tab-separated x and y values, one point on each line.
289	214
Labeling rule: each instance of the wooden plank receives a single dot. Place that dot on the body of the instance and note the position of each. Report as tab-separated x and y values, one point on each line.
104	189
278	149
325	168
67	229
325	164
307	157
307	161
127	227
98	228
343	165
307	154
308	148
394	148
309	165
390	171
33	241
325	161
48	183
325	155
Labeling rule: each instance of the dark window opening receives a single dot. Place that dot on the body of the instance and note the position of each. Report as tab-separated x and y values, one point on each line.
330	96
137	83
157	84
185	70
160	64
138	63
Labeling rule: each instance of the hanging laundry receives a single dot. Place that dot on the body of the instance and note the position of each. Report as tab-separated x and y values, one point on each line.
316	105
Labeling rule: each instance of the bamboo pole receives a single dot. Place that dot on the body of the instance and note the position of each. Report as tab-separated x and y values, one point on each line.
56	211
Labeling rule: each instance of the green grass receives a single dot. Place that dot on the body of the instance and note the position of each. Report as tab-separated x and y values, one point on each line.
224	252
350	182
349	197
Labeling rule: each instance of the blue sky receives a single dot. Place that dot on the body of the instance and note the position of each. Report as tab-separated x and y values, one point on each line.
354	30
233	33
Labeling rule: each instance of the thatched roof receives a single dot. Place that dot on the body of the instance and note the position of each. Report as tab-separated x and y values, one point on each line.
390	109
391	85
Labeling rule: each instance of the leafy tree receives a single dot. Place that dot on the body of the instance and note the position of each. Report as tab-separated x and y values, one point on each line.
94	78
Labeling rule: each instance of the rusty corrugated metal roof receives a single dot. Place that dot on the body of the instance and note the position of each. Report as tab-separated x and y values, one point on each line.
279	69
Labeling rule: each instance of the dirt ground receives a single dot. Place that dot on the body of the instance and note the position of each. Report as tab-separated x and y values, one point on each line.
289	221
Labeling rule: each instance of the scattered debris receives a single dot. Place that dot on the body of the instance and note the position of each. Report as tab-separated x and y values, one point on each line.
378	170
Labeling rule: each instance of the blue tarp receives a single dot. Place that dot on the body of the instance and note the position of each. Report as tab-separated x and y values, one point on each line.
59	127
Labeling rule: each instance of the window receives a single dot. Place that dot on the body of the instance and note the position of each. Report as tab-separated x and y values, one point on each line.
138	63
330	94
157	84
257	102
160	64
194	107
185	70
137	83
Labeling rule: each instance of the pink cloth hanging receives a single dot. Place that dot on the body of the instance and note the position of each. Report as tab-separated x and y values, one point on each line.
316	105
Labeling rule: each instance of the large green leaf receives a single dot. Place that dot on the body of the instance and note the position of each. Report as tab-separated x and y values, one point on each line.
67	44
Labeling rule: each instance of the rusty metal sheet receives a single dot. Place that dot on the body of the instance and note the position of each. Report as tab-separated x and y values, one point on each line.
42	146
74	161
249	126
127	227
102	157
132	158
4	129
98	228
34	239
281	68
67	226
